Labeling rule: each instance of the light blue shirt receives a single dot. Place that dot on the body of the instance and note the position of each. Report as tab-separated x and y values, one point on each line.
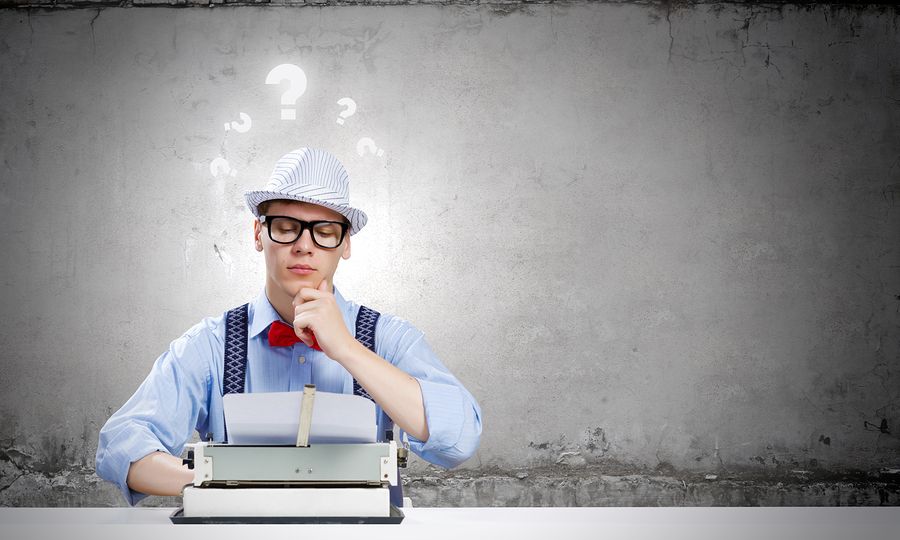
183	391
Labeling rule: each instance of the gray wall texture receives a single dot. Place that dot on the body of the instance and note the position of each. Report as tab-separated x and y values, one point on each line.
660	245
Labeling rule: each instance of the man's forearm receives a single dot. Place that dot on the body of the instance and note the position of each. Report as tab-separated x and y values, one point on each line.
159	473
398	393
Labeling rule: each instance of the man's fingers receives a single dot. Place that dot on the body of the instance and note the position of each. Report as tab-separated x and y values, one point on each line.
306	337
302	318
304	295
298	298
308	293
306	307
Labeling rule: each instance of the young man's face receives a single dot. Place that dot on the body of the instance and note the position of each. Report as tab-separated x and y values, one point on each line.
290	267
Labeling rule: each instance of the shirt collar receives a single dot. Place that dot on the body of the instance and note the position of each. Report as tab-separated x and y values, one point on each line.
262	314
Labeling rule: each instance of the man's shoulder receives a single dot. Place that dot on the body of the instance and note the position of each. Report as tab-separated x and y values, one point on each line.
209	330
390	327
384	318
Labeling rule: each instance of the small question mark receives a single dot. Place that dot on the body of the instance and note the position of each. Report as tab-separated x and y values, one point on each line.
242	127
221	164
348	112
368	144
297	78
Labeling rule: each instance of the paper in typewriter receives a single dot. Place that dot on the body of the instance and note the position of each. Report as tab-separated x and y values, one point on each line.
273	418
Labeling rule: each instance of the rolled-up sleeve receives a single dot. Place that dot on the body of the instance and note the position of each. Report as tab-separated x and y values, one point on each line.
452	413
163	412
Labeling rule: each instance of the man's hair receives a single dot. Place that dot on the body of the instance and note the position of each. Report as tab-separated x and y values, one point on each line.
263	208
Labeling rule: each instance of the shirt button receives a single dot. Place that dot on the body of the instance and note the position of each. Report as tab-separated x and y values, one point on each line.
301	359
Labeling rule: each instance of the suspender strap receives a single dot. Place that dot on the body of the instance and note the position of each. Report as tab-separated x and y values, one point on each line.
235	350
366	320
235	372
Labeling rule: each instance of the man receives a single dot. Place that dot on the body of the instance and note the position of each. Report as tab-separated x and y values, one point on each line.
303	227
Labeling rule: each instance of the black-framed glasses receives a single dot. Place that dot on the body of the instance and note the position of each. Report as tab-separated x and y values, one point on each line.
286	230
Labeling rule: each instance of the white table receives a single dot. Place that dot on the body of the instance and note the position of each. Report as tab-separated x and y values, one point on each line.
476	523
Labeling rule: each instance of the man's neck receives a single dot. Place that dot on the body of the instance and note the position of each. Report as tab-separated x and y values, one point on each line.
282	303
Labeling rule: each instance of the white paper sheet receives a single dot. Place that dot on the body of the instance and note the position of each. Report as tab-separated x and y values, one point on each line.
273	418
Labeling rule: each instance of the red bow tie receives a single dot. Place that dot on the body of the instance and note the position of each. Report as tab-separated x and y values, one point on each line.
282	335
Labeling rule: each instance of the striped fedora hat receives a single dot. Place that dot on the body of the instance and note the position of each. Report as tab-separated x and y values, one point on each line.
313	176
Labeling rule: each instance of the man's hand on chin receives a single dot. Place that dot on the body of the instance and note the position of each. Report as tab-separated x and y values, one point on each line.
318	321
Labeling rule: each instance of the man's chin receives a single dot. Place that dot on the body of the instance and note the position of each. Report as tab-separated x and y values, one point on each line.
293	286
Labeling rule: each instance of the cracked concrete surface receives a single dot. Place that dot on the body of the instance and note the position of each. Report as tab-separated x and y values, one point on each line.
671	230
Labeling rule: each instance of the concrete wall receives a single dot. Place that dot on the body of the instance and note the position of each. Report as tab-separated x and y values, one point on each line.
660	246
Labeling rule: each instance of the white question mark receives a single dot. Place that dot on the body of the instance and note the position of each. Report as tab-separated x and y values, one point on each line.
297	78
243	126
368	144
349	111
218	164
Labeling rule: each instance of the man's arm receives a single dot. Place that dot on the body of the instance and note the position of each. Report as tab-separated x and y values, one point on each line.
405	378
451	412
159	473
398	393
159	419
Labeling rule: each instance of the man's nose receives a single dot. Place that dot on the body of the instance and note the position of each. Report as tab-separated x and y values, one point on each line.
304	243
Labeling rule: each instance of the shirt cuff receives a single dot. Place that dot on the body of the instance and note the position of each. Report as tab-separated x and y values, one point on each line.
123	450
444	414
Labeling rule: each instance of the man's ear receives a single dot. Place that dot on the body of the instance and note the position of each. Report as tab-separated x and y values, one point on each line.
346	253
257	228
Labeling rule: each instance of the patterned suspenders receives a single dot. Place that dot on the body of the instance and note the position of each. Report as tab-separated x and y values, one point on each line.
235	350
235	372
236	346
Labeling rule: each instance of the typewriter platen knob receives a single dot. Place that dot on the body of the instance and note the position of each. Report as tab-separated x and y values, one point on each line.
402	455
189	460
